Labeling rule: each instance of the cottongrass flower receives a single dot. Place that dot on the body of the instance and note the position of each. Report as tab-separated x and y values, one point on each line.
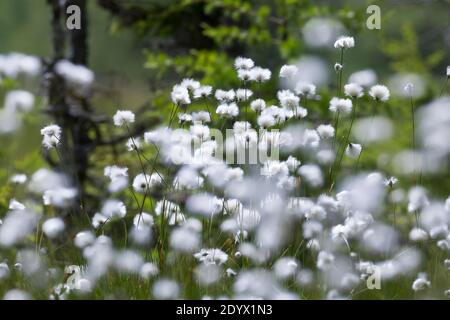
180	95
364	78
353	90
190	84
53	227
185	240
123	118
19	178
421	283
228	110
288	71
305	89
75	75
114	208
343	106
325	131
243	63
143	183
51	136
243	94
353	150
202	92
344	42
19	101
258	105
165	289
260	75
379	92
225	96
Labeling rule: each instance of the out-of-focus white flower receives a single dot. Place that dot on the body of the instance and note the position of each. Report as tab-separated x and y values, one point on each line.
114	208
353	90
228	110
243	63
211	256
143	183
285	267
19	178
78	76
379	92
312	174
259	74
288	71
202	92
16	294
225	96
84	238
243	94
353	150
305	89
123	118
343	106
201	116
15	64
417	235
421	283
148	270
165	289
61	197
180	95
118	177
184	240
16	205
288	99
258	105
19	101
53	227
418	199
325	131
325	260
190	84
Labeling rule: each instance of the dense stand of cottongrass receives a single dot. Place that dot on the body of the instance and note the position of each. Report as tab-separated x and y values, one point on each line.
310	221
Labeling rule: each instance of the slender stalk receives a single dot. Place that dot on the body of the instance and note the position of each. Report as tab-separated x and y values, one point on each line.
346	142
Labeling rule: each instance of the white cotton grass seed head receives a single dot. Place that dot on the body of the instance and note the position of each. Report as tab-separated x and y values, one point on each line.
343	106
285	267
84	239
379	92
202	92
148	270
17	294
165	289
243	63
258	105
143	183
326	131
421	283
418	235
353	90
312	174
180	95
353	150
305	89
184	240
123	118
190	84
288	71
53	227
19	101
259	74
364	78
207	274
344	42
19	178
114	209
